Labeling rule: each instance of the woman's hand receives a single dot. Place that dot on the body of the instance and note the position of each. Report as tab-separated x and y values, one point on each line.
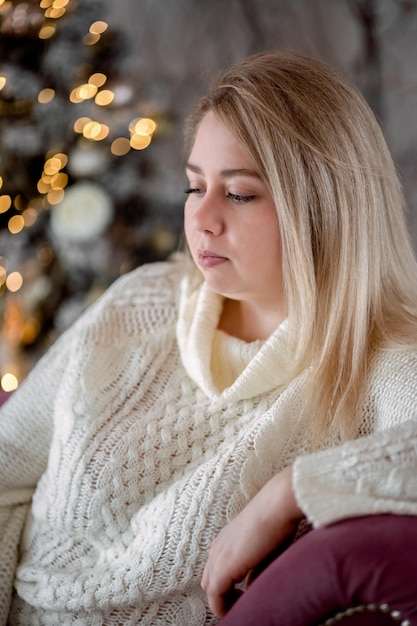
259	529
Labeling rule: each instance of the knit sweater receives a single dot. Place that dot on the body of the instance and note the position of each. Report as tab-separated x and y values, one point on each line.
129	457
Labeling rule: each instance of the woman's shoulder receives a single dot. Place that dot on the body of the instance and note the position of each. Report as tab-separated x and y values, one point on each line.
157	279
393	384
396	364
145	299
149	284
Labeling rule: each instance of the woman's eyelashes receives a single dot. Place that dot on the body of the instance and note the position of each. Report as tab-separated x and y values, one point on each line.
191	190
240	199
235	197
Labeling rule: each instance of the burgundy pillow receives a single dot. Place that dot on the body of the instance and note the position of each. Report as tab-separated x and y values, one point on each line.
3	396
358	572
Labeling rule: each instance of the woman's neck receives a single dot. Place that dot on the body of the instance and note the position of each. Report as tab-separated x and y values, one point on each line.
249	322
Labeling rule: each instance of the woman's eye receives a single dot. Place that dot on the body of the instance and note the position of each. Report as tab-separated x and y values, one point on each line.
238	198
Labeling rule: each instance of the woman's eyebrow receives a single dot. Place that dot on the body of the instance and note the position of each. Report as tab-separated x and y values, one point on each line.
227	173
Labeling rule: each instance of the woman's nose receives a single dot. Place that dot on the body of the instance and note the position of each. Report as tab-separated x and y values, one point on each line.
208	216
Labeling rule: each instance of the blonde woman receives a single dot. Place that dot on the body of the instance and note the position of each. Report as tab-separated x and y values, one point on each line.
207	409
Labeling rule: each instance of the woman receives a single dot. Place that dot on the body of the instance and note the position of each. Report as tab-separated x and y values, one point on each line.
234	387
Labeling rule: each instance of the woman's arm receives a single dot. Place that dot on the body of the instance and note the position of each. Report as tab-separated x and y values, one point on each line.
25	436
264	524
374	474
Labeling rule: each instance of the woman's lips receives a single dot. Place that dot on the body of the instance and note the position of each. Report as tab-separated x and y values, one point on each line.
207	258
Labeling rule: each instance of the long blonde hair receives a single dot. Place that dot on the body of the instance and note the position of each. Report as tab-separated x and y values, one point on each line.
348	265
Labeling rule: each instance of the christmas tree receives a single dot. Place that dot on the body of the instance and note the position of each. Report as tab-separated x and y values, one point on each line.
76	172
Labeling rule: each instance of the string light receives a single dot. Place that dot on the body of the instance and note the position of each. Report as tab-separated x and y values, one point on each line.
74	96
98	79
53	13
18	202
143	126
5	203
87	91
52	181
95	31
61	156
80	123
3	272
14	281
5	5
120	146
91	39
54	9
104	97
42	186
16	224
91	129
52	166
141	130
30	215
59	181
9	382
47	31
60	4
98	27
140	142
55	196
46	95
95	131
82	92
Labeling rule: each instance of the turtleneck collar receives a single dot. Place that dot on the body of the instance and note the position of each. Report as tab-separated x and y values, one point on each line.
199	314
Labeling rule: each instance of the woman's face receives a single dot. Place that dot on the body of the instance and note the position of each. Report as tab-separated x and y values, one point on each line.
231	223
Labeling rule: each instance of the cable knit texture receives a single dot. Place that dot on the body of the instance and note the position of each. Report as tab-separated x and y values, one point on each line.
136	457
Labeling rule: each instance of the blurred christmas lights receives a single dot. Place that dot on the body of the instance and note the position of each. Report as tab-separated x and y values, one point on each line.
9	382
46	95
14	281
74	212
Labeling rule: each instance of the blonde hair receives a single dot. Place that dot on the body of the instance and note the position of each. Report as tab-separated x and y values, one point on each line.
348	265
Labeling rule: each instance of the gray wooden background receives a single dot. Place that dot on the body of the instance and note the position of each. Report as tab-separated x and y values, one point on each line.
179	45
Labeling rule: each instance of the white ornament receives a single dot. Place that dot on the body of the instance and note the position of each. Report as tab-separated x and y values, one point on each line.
84	213
123	94
86	161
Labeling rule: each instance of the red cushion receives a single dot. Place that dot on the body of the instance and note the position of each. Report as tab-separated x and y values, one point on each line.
362	561
3	396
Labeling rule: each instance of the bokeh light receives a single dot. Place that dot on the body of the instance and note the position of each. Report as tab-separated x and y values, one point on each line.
5	203
9	382
30	215
47	31
140	142
46	95
120	146
14	281
141	129
104	97
98	79
16	224
98	27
